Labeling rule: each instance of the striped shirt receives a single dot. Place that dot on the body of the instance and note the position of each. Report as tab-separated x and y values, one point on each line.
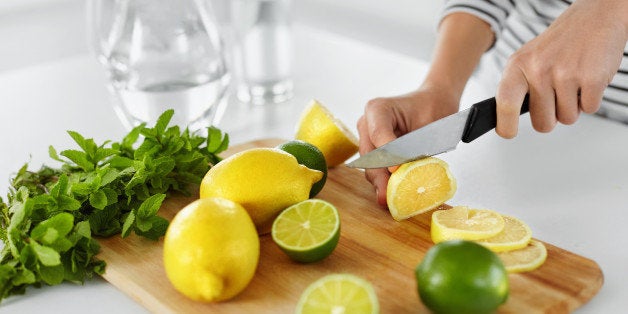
514	23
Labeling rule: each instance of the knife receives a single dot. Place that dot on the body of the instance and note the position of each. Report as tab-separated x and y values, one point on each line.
437	137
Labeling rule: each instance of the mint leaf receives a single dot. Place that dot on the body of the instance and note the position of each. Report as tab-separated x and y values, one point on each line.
61	223
158	227
47	256
68	203
150	206
162	121
79	158
52	152
52	275
98	199
128	224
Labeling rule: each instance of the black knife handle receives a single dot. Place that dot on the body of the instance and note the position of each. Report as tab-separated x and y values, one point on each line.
483	118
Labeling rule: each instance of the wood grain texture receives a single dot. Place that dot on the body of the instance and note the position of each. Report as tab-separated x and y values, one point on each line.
372	245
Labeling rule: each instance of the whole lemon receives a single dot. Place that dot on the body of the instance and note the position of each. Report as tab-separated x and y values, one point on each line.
263	180
211	250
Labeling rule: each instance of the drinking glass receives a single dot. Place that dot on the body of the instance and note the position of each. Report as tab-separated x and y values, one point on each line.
263	50
161	54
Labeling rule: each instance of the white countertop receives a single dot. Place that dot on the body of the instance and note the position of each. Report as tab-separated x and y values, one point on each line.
570	186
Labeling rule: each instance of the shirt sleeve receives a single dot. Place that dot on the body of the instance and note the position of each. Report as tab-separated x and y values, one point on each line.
493	12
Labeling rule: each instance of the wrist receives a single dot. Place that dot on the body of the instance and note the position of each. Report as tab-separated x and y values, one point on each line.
449	86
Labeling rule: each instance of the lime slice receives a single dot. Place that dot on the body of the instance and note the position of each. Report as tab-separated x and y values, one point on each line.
339	293
307	231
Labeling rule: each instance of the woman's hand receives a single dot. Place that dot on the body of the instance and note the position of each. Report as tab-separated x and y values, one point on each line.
566	68
385	119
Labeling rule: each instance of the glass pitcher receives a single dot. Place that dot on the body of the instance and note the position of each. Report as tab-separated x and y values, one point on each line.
161	54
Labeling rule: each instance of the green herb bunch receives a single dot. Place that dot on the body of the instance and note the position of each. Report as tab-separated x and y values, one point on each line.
52	215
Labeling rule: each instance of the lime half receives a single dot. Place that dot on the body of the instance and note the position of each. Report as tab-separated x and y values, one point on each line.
307	231
339	293
309	156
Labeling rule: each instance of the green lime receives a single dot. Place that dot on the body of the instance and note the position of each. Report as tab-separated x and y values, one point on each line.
309	156
307	231
339	293
461	277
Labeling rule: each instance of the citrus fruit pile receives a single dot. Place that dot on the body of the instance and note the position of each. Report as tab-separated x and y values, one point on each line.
508	236
212	247
425	184
263	180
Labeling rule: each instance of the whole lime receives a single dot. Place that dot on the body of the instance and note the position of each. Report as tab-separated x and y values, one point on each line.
309	156
461	277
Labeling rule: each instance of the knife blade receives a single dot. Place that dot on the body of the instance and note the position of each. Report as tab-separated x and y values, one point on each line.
437	137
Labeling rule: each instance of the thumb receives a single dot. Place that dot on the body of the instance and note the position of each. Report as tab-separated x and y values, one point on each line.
381	124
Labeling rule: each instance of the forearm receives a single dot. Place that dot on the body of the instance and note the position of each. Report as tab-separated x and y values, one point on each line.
462	39
616	10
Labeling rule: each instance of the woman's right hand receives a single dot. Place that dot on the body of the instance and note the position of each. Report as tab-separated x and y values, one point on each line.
387	118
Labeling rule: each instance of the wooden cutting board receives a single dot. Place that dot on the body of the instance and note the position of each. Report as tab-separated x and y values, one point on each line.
372	245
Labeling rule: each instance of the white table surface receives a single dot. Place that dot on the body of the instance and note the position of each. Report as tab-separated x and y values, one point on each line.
570	186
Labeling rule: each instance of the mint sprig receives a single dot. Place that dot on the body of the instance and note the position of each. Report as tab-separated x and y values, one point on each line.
52	215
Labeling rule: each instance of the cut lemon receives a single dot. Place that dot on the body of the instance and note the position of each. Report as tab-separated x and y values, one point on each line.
419	186
320	128
307	231
529	258
516	235
339	293
462	222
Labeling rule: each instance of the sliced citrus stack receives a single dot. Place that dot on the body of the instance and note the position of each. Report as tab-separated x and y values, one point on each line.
339	293
307	231
515	235
320	128
419	186
529	258
464	223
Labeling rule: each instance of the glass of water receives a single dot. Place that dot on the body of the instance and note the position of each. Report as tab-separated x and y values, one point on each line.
263	50
161	54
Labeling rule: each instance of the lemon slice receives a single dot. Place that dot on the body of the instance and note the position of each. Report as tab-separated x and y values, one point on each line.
462	222
320	128
307	231
419	186
529	258
516	235
339	293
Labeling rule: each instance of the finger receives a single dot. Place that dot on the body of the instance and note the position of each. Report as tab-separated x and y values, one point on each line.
377	177
567	110
591	94
379	180
364	141
542	107
380	122
509	97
